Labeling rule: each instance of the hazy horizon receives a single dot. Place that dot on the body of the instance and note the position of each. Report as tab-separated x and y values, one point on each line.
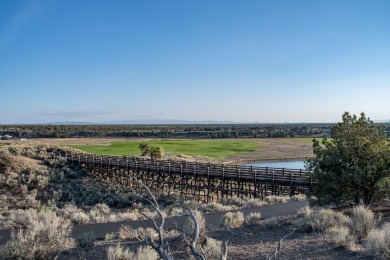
174	122
253	61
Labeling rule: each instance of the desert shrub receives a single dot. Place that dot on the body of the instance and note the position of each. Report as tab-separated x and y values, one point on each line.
214	207
22	218
129	215
253	202
145	253
211	207
234	201
212	248
175	211
99	213
74	191
118	252
305	212
378	242
127	232
74	214
276	199
146	232
110	236
323	219
253	218
233	220
86	241
341	236
193	204
244	202
5	161
46	236
3	201
299	197
80	218
28	201
363	221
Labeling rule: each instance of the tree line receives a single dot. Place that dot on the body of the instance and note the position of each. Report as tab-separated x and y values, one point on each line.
168	131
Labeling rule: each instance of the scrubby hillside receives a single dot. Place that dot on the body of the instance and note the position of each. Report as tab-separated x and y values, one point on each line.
37	175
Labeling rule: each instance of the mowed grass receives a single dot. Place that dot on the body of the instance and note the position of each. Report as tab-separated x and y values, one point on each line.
212	148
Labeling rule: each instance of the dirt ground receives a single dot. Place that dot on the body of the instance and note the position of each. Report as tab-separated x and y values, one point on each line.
278	149
251	242
260	242
270	148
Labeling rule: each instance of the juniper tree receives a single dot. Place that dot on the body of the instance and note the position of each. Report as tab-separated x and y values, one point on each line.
351	164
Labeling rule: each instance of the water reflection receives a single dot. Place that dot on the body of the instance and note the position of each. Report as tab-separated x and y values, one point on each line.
280	164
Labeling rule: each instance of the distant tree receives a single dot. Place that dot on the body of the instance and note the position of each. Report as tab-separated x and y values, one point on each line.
156	152
352	164
153	152
145	149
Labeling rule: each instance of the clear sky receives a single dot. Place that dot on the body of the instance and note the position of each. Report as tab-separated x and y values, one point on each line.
244	61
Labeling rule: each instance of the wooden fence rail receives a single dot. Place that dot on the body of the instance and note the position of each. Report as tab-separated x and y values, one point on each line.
205	181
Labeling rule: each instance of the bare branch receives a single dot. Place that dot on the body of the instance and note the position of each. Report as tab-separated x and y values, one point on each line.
278	248
224	251
159	228
198	255
197	252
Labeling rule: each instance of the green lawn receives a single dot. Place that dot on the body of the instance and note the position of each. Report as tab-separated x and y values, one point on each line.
212	148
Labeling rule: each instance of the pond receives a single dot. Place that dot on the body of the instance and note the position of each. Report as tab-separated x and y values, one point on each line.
280	164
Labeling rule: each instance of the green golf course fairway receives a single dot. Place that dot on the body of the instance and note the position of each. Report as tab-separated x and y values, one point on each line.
213	148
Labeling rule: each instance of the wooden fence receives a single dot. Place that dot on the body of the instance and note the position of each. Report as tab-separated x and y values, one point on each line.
205	181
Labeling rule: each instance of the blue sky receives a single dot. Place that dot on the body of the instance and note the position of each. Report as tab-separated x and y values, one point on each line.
244	61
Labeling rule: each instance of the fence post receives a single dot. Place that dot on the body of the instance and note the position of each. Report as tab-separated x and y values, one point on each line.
254	182
182	179
208	183
194	189
223	182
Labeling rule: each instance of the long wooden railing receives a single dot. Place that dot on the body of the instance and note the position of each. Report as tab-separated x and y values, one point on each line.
230	179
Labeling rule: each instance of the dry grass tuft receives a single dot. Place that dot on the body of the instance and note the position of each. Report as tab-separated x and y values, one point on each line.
323	219
254	218
44	236
119	252
378	242
233	220
341	236
363	221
